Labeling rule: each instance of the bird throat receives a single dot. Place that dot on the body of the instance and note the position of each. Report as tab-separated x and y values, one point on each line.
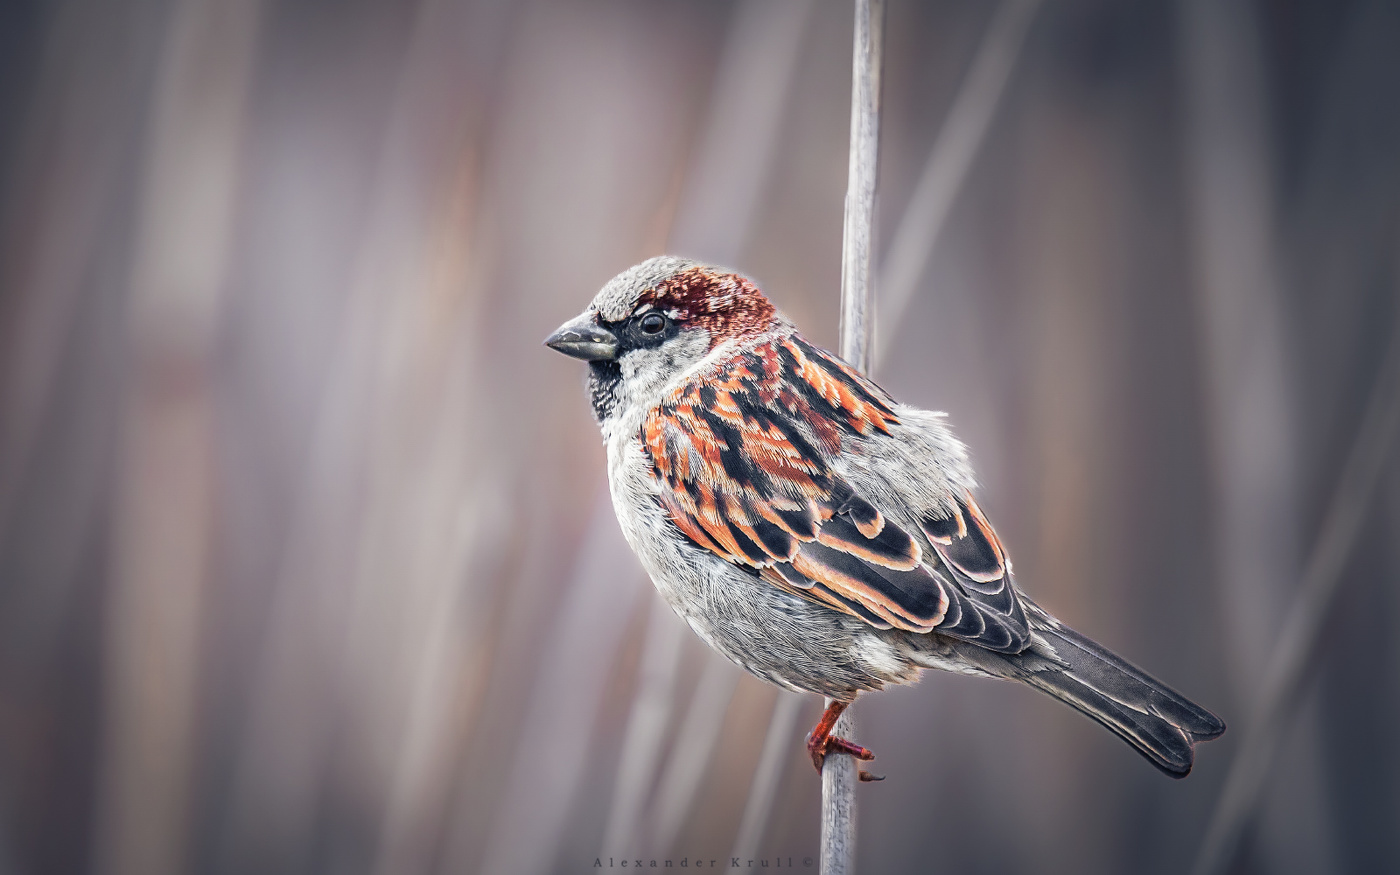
604	382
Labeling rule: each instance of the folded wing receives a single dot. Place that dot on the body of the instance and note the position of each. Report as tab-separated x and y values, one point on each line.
741	456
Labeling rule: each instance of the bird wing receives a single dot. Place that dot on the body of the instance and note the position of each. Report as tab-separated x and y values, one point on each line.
742	458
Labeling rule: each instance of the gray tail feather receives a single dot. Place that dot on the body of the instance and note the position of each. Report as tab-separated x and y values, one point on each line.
1160	723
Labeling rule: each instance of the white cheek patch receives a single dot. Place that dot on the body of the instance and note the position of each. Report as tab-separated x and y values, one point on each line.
648	373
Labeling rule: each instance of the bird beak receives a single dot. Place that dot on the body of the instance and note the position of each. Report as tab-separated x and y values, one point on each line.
583	338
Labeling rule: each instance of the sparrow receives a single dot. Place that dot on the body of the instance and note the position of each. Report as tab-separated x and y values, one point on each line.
812	529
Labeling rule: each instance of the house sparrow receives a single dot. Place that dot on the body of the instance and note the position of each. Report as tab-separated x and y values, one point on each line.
811	528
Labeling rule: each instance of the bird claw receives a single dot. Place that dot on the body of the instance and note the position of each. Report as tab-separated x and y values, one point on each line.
820	747
821	742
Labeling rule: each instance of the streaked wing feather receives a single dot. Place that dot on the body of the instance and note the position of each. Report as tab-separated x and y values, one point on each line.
742	457
973	556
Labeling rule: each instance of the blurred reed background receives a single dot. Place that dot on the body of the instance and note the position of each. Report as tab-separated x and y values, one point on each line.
306	560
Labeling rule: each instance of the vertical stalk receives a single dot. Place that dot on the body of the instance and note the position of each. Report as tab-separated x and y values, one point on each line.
857	329
839	806
857	314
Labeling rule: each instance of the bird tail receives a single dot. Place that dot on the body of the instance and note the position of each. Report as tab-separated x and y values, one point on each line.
1159	722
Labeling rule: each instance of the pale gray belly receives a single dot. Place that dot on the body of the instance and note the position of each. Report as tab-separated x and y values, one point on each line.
773	634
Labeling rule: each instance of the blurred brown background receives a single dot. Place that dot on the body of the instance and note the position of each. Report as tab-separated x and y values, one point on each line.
306	563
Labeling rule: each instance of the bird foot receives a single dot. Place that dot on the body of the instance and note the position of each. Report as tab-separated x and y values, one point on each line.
821	742
832	744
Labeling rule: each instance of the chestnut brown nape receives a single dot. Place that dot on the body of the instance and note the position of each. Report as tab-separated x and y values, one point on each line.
726	305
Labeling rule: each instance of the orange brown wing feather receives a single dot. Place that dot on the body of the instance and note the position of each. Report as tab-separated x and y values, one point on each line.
741	456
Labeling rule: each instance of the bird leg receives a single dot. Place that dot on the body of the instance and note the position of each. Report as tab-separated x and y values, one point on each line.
821	742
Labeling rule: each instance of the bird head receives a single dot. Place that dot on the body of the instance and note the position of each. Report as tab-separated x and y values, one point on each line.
658	320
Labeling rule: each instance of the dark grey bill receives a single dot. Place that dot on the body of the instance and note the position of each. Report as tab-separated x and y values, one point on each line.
584	339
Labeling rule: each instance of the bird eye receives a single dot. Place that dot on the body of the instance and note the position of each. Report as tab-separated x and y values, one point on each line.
653	323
